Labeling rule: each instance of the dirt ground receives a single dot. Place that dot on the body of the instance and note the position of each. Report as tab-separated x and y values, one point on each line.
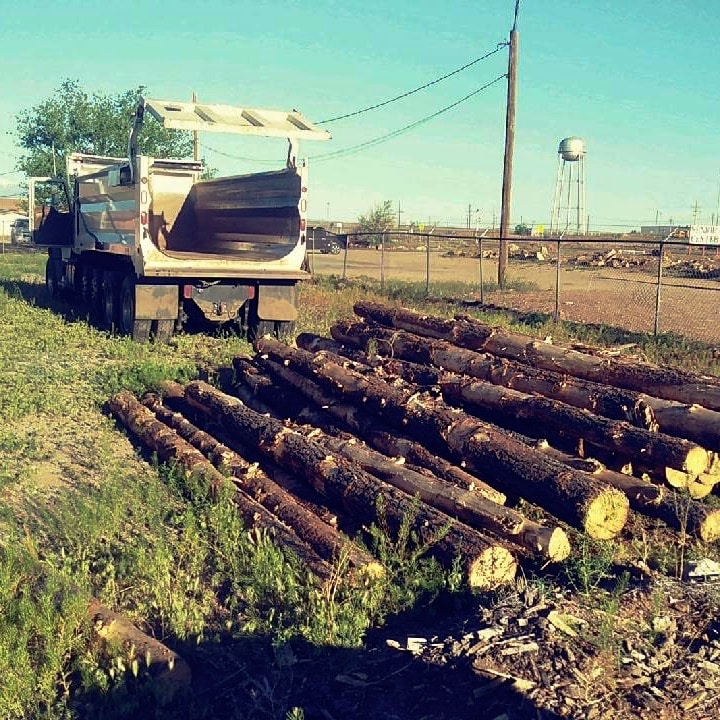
621	297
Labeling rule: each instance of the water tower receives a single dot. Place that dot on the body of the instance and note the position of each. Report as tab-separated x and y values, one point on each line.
568	210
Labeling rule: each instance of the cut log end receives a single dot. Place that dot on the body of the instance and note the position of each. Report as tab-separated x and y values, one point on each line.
709	527
492	568
698	460
606	514
558	545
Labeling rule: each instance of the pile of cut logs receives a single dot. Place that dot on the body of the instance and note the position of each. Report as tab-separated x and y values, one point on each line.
443	420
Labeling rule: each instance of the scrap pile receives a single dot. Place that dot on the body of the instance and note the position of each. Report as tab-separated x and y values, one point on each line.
449	421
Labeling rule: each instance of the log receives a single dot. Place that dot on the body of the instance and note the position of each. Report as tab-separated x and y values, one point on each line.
602	400
548	543
169	672
487	563
420	373
324	539
571	495
171	447
377	435
667	383
656	450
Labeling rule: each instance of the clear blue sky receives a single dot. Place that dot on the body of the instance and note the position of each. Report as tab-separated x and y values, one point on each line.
637	80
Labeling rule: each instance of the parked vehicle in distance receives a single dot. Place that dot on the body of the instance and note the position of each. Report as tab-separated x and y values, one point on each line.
325	242
20	231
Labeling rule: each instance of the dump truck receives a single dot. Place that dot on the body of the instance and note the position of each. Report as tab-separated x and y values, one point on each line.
148	245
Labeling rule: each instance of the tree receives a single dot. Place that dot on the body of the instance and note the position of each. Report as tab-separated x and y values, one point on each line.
377	221
73	120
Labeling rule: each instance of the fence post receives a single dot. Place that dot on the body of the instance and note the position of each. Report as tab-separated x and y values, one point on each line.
556	315
427	265
345	256
480	267
656	325
312	254
382	263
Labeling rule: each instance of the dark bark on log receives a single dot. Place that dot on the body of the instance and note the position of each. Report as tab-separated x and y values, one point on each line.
670	384
420	373
573	496
602	400
171	447
657	450
487	563
378	435
324	539
549	543
169	672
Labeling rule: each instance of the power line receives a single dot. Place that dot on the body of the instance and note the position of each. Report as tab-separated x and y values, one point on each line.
235	157
406	128
417	89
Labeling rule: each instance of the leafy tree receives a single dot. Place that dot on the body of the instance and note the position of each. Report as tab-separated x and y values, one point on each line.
73	120
378	220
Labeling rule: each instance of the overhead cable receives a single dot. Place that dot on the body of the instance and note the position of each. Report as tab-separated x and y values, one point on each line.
406	128
417	89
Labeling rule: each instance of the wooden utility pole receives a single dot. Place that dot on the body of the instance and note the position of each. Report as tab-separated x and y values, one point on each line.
509	148
196	142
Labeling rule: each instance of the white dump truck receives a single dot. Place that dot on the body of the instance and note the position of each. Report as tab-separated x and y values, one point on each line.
148	245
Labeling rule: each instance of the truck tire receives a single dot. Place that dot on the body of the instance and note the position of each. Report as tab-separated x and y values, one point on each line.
163	330
334	248
53	277
111	299
138	330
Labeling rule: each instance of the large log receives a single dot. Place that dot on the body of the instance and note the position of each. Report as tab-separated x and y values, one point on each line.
487	563
171	447
689	421
657	451
602	400
571	495
668	383
378	435
548	543
324	539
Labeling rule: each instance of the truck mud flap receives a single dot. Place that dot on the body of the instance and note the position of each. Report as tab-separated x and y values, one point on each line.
277	302
157	302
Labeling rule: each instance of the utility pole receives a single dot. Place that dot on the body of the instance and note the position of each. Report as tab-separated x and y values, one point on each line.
509	149
695	212
399	214
196	142
469	213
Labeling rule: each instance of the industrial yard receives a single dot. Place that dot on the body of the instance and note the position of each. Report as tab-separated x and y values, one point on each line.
565	541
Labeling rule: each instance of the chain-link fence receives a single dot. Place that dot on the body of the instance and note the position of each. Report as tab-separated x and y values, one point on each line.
638	284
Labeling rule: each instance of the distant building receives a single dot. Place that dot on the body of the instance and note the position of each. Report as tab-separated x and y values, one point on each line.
10	210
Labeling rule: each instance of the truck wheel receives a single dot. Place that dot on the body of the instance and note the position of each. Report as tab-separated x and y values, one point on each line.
334	248
285	330
163	330
110	298
138	330
53	277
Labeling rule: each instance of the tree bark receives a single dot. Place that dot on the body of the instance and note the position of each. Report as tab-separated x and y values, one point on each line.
487	563
324	539
657	450
573	496
171	447
377	434
600	399
548	543
667	383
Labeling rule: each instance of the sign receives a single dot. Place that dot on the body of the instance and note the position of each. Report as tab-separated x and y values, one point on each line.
537	231
705	234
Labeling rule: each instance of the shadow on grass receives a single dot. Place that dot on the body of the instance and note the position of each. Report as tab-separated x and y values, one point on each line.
253	678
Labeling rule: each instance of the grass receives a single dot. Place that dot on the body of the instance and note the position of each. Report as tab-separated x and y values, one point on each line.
83	513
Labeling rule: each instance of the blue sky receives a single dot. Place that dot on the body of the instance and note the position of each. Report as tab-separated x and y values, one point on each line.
637	80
